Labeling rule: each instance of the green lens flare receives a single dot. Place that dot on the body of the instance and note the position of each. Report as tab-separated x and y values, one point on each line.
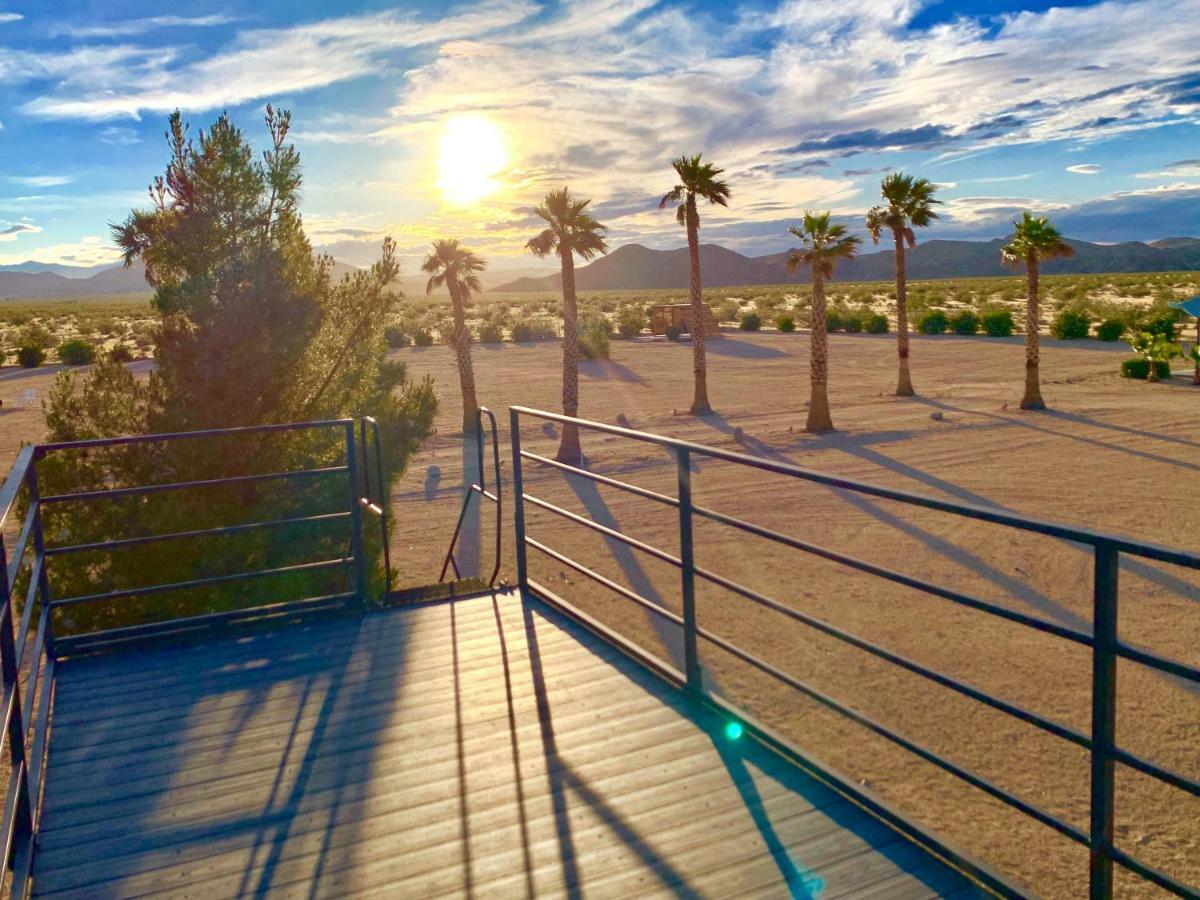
733	730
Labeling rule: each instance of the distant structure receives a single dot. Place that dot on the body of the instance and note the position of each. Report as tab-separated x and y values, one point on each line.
680	314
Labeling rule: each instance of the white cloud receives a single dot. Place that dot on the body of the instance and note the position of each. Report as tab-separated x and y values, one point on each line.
6	17
16	229
140	26
1184	168
118	136
88	251
41	181
1085	169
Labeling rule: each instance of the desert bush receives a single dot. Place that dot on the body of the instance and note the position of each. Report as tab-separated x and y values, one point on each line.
728	311
593	338
833	321
1160	322
1110	330
674	332
396	337
750	322
631	321
1071	325
876	323
786	324
933	322
35	336
852	324
30	357
77	353
998	323
526	330
422	338
964	322
490	333
120	354
1139	367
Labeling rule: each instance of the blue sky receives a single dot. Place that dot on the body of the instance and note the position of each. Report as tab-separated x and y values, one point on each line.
1088	112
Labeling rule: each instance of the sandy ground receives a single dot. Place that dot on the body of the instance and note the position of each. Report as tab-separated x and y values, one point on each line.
1113	454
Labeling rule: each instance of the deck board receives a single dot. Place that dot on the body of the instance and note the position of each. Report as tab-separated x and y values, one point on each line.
481	747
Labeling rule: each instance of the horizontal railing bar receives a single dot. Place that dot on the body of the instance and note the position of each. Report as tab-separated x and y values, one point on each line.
184	485
484	492
201	532
970	510
967	600
201	582
15	480
1182	782
929	756
1163	880
608	532
603	479
177	435
369	506
19	548
12	802
1017	712
1178	669
606	582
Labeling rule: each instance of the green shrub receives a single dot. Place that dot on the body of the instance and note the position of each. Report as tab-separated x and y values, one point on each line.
750	322
77	353
1160	323
998	323
1139	367
35	336
933	322
528	330
490	333
1071	325
593	338
876	323
728	311
395	337
120	354
631	321
422	338
786	324
964	322
30	357
833	321
1110	330
852	324
674	332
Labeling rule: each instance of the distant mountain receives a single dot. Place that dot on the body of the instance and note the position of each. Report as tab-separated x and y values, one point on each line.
634	267
32	265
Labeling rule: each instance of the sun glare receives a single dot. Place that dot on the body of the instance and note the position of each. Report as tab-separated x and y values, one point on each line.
471	153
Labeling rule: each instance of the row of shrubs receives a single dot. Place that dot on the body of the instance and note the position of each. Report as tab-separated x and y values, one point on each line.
75	352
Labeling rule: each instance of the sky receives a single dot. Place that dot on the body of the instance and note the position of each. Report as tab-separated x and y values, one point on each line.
430	119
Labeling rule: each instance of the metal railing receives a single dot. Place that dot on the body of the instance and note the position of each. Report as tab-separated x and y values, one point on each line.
480	487
379	508
1105	644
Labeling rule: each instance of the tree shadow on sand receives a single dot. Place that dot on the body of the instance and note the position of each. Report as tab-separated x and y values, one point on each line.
727	346
607	370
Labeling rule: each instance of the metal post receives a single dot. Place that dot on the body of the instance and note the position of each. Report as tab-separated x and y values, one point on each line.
479	449
39	549
1104	718
687	568
518	501
356	521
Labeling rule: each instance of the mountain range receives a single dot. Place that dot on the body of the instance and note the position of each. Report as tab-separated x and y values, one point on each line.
634	267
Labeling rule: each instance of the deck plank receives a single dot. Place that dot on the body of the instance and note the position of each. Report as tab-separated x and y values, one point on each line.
482	746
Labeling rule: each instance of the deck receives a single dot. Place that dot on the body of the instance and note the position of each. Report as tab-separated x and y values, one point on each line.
482	747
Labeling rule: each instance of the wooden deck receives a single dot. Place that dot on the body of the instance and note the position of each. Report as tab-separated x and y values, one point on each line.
482	747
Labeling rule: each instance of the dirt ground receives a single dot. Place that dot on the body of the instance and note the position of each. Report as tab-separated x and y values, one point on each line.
1112	454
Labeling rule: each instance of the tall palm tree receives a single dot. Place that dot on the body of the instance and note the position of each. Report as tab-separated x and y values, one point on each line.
1033	239
823	245
909	205
570	230
696	179
456	267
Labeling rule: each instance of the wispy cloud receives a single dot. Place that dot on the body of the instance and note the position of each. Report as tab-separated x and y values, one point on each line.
131	27
6	17
12	232
1084	169
41	181
118	136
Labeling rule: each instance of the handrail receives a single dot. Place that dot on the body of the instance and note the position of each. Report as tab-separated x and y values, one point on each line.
381	508
480	488
1104	642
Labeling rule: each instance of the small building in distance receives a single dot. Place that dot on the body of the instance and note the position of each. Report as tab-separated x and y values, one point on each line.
680	314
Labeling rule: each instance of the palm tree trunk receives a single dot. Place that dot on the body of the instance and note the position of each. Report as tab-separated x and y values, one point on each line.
568	447
1196	376
1033	390
819	419
460	339
904	386
700	404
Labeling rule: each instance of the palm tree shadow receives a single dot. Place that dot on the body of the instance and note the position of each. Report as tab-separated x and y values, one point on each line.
607	370
728	346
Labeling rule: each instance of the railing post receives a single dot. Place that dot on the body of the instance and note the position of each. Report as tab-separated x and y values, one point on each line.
518	501
39	548
687	570
356	520
1104	718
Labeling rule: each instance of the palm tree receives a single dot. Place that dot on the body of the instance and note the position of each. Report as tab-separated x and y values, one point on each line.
909	205
696	179
570	230
456	267
1033	239
822	245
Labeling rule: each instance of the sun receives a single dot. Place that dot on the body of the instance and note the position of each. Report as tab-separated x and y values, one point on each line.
471	153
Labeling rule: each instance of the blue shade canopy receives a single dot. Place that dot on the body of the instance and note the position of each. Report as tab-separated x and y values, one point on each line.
1191	305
